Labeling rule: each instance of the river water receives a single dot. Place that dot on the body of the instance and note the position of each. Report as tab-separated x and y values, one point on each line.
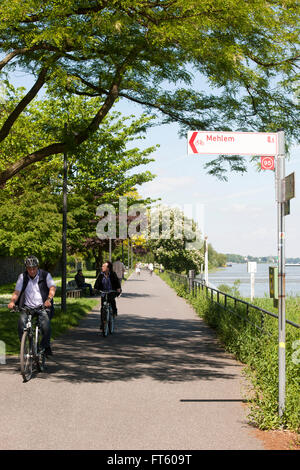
239	272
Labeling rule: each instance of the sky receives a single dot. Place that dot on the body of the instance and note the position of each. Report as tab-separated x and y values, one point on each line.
238	216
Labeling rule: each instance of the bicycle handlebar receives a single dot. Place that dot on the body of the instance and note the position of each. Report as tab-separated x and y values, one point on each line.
29	310
108	291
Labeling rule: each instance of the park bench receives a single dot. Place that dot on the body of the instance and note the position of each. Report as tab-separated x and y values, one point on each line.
72	290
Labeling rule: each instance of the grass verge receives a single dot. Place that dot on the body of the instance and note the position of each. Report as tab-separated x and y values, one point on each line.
61	322
259	352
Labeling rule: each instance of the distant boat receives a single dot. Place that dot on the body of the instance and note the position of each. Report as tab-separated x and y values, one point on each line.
229	264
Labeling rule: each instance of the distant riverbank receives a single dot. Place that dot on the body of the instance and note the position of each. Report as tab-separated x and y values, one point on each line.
238	271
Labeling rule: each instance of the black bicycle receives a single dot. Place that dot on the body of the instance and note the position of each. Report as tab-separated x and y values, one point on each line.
107	320
32	355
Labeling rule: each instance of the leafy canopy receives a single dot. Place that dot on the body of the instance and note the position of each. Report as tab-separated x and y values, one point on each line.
152	53
102	169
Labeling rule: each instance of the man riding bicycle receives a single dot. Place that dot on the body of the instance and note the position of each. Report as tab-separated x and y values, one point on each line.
35	287
107	281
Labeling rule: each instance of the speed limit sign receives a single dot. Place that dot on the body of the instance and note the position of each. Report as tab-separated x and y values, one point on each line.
267	163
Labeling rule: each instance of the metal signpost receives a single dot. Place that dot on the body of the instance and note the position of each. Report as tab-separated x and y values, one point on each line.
280	198
268	144
285	190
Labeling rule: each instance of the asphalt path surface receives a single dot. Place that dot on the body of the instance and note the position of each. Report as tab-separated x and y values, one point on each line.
162	381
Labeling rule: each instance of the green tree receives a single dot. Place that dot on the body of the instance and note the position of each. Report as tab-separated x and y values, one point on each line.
215	259
31	224
233	258
149	52
103	169
176	241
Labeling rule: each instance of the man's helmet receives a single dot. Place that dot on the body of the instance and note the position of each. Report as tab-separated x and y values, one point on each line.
31	262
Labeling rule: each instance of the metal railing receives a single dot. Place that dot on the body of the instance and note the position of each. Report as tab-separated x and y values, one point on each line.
180	277
215	295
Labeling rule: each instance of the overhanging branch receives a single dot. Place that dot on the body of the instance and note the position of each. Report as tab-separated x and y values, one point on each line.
291	60
78	139
78	11
23	103
61	147
29	159
160	108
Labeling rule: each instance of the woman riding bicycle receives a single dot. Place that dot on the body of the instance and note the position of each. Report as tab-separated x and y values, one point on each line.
107	281
35	287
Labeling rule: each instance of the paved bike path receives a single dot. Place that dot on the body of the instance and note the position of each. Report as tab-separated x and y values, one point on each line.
162	381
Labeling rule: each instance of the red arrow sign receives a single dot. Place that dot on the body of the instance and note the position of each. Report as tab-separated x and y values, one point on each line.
191	141
232	143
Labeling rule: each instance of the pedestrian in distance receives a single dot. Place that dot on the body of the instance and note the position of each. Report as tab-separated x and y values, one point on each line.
138	269
150	267
35	287
119	269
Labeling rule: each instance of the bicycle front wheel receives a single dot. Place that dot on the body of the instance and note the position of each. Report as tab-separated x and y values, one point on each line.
105	322
39	352
26	356
111	322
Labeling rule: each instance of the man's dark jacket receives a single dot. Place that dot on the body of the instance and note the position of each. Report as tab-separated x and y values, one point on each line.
44	289
80	280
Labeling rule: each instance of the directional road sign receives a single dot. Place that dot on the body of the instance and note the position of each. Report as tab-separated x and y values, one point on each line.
232	143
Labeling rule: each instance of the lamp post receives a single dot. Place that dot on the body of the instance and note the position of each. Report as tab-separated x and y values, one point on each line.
64	235
128	254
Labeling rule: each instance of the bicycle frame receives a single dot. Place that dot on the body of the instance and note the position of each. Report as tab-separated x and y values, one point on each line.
30	343
107	319
30	329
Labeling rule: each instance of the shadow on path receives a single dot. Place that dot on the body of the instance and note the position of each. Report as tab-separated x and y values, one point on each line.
166	350
131	295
